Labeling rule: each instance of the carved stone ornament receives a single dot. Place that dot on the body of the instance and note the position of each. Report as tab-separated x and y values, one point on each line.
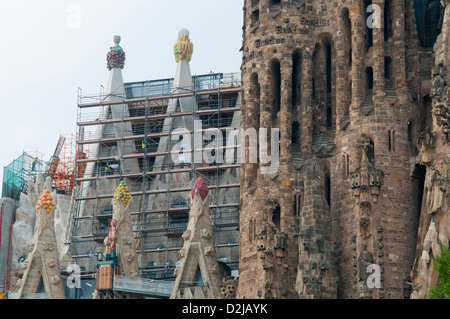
56	280
129	257
209	251
205	233
186	235
365	259
127	240
364	227
438	82
48	246
442	114
51	263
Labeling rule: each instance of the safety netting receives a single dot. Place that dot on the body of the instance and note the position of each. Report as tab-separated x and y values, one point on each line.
17	174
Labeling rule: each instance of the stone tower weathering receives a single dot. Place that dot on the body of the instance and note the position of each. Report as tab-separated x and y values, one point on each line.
347	83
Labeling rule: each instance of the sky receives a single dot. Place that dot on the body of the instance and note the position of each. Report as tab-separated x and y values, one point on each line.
51	48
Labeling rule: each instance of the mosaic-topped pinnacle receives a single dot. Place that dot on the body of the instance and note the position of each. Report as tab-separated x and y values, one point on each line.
116	55
184	47
201	187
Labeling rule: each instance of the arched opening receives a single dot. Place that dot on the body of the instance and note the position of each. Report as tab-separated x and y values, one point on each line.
347	33
297	207
427	116
410	132
255	96
316	74
393	140
387	68
419	174
276	217
296	79
328	189
390	140
328	67
369	78
275	76
327	180
296	133
371	153
254	17
323	79
388	17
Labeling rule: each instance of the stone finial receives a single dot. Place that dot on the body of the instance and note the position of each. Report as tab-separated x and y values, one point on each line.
184	48
117	40
116	55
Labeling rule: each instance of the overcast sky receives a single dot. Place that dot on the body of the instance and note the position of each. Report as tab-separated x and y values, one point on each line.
50	48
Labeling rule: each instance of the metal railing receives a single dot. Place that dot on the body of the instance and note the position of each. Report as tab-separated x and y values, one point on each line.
142	286
165	87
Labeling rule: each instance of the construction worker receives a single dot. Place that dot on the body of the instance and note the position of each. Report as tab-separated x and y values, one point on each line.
143	145
35	161
108	169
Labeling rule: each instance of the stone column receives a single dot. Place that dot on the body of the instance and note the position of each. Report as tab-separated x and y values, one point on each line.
307	107
378	56
358	52
286	112
342	95
399	49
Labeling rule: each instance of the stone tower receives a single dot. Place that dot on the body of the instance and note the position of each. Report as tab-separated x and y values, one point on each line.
346	83
198	274
42	266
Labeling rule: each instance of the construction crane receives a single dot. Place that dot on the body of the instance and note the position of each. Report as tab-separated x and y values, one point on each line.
53	163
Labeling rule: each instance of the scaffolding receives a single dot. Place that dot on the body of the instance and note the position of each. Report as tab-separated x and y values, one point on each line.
159	186
17	174
63	168
14	274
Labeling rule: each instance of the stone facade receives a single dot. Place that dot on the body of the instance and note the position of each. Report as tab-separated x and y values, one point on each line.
433	166
352	97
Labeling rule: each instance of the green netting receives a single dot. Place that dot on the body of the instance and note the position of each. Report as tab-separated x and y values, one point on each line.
17	174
